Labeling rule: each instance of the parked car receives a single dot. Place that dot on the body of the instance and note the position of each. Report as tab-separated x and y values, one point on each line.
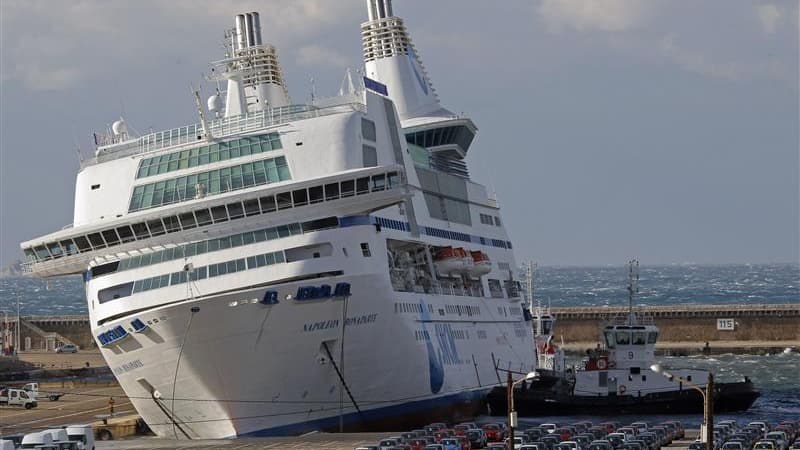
387	443
477	438
765	445
450	443
600	444
733	445
780	439
493	432
67	348
434	447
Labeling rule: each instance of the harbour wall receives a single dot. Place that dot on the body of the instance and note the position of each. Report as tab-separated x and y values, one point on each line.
696	323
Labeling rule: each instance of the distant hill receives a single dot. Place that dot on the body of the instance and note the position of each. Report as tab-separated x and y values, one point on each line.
12	270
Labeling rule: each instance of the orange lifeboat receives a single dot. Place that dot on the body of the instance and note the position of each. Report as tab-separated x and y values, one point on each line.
450	260
481	265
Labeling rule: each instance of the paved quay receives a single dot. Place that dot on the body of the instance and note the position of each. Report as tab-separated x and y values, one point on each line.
81	403
324	441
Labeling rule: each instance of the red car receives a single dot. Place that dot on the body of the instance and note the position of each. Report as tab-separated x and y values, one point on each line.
418	444
461	430
493	432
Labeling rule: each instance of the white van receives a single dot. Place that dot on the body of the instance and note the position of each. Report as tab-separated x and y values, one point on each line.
61	439
6	444
83	434
38	440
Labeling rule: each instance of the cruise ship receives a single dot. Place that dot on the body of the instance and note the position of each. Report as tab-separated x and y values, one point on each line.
278	267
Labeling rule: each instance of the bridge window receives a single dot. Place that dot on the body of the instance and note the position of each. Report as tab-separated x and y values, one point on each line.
609	336
639	337
222	180
368	130
652	337
184	159
623	337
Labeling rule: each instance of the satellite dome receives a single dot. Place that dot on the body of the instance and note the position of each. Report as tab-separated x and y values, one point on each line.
215	103
119	127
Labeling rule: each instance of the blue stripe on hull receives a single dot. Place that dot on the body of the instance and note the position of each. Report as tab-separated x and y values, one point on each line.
390	418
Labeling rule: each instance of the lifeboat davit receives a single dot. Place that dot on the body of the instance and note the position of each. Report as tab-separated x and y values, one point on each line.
450	260
481	265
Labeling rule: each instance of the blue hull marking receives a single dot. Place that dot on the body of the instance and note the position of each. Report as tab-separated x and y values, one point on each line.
435	368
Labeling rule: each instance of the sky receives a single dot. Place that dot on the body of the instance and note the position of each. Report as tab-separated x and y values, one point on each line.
652	129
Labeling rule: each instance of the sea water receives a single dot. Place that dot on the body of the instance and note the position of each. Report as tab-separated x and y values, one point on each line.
776	376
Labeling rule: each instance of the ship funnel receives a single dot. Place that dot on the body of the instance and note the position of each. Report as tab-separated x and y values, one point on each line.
253	72
390	58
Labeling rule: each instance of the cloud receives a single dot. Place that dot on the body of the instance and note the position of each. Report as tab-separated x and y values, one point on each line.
75	42
316	55
694	61
770	16
593	15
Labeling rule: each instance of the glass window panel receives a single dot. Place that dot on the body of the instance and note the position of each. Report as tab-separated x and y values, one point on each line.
300	197
267	204
295	228
171	224
272	233
69	247
236	177
279	257
97	240
260	235
203	217
332	191
219	213
283	231
284	200
251	262
213	270
235	210
125	234
231	266
213	245
248	238
241	265
235	152
140	230
83	243
236	240
378	182
269	258
261	260
348	188
156	227
283	169
251	207
362	185
315	194
224	243
187	221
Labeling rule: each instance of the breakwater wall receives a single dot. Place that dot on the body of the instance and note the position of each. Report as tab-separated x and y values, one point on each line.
695	323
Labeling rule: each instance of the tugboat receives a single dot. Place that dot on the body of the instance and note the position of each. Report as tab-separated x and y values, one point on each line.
616	376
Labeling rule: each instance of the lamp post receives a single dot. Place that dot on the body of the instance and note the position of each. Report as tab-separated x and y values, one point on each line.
708	400
512	415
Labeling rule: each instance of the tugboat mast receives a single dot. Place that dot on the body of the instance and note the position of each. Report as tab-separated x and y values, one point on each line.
633	286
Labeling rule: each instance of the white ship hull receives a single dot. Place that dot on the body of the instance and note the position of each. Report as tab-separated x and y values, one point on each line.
255	369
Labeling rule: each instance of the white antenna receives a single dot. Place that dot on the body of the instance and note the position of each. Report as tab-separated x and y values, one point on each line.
199	104
347	87
633	286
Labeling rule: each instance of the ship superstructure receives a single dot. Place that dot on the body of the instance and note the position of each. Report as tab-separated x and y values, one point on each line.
279	267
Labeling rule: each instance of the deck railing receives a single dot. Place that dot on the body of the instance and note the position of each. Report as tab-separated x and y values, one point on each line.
219	128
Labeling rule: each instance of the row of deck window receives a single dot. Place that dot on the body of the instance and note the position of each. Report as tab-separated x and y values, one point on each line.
199	185
444	234
181	277
207	216
222	151
210	245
